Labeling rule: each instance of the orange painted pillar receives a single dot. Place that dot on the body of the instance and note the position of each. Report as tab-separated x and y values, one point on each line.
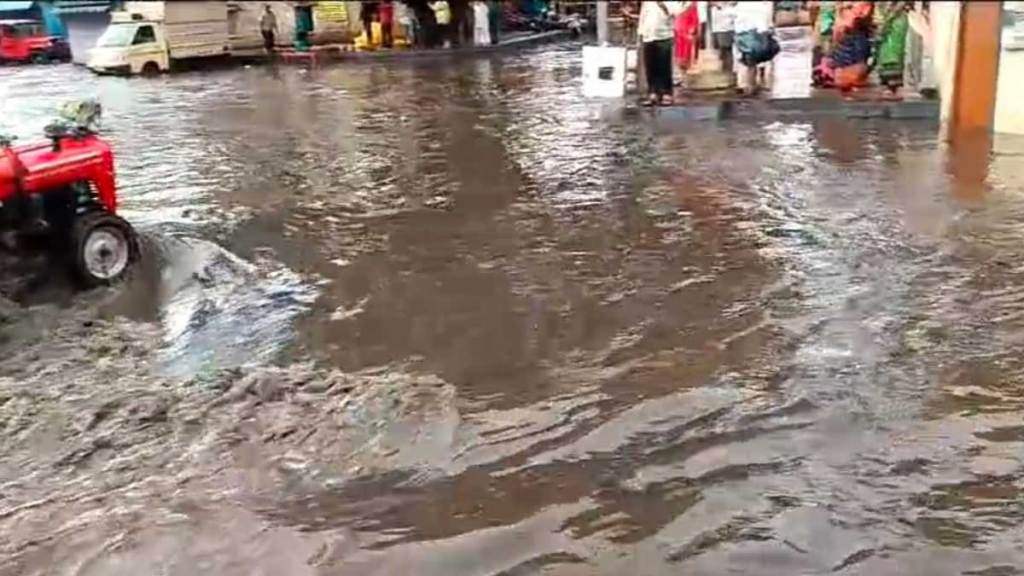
977	68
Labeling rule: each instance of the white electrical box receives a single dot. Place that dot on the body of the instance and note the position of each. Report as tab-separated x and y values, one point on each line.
604	72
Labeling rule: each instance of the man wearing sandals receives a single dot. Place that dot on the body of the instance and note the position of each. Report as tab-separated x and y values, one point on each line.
656	29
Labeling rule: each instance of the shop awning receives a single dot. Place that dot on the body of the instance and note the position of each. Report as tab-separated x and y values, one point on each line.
64	7
12	6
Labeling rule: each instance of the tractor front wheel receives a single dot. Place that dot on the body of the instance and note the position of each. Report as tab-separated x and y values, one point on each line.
105	247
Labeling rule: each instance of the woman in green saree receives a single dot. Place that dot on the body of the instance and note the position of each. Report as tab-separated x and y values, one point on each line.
892	45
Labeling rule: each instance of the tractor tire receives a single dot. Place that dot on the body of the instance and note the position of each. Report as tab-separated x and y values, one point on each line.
104	249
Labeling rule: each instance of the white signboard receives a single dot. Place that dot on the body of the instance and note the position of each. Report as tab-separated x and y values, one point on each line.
1013	26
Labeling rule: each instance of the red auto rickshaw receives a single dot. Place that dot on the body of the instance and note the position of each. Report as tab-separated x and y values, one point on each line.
23	41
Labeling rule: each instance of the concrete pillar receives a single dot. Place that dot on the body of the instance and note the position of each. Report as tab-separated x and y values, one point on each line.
602	23
707	59
973	94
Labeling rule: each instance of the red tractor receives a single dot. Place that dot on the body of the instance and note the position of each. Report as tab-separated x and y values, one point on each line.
63	190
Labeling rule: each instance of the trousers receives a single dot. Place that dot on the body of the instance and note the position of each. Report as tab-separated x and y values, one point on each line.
658	66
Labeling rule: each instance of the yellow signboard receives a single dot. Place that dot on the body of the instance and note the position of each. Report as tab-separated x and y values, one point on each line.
331	12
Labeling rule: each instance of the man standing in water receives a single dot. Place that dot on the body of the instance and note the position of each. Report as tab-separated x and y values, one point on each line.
494	16
751	19
268	27
655	29
443	18
368	13
386	16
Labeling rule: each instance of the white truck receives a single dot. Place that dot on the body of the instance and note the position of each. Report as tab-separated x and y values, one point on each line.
151	37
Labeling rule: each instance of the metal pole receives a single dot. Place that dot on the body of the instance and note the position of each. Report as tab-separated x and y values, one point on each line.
602	23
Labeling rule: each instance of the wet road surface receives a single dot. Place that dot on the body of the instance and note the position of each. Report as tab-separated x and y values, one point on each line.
446	318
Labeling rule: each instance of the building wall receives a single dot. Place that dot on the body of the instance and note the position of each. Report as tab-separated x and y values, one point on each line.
83	30
244	20
247	15
244	23
1009	116
1010	93
944	18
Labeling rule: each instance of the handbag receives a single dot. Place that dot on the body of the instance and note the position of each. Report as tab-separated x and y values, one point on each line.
756	47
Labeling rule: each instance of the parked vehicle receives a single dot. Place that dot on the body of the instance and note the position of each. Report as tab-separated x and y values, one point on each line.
63	190
152	37
28	41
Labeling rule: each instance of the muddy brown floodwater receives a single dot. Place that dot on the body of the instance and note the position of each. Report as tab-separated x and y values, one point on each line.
447	318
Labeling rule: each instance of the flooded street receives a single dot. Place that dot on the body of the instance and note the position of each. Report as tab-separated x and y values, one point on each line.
448	318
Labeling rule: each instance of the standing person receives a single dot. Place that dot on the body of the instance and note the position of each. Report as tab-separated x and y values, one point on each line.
892	46
655	29
494	19
823	72
426	25
852	44
630	19
463	22
481	24
723	26
386	14
752	21
368	13
443	17
405	18
268	28
686	29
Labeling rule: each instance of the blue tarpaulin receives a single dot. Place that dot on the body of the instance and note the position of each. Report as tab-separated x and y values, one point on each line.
54	25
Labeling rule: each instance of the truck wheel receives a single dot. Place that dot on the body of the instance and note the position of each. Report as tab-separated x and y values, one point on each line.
104	248
40	59
150	69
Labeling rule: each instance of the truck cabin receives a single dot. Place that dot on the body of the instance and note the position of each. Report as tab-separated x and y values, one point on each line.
124	34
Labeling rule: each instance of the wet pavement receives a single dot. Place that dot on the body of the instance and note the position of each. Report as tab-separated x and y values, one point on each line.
447	318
